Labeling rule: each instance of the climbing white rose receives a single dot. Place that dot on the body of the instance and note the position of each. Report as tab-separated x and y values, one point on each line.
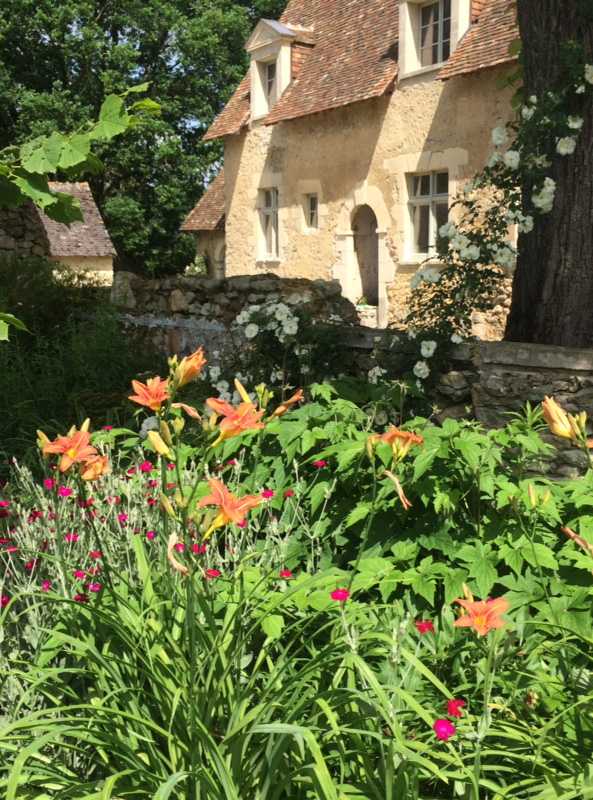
589	73
447	230
421	370
460	242
499	136
471	253
566	146
527	112
427	348
575	123
526	224
291	327
512	158
251	331
544	199
456	338
504	257
214	374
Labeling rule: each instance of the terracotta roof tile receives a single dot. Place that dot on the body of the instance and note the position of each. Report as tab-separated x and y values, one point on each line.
487	43
208	215
354	56
88	238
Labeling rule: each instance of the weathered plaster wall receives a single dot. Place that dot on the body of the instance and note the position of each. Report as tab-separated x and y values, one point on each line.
353	156
100	267
211	246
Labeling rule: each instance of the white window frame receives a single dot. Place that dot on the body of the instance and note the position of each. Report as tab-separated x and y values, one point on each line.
270	84
312	213
269	224
432	200
440	42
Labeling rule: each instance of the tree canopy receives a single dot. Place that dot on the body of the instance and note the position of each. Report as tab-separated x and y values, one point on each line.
58	61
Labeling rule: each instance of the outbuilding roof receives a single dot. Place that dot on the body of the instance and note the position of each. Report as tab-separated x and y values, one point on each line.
208	215
88	238
353	56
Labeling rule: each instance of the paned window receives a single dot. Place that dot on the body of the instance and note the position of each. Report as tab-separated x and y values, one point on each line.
312	210
429	209
435	32
268	213
271	82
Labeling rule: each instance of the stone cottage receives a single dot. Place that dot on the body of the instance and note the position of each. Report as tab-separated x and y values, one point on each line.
83	246
356	125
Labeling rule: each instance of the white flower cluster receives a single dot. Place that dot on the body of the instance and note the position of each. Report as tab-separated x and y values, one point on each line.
277	318
566	145
375	373
544	198
512	159
504	256
499	136
426	274
589	73
421	370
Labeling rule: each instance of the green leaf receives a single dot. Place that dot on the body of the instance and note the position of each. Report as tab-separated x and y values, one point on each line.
317	495
147	105
36	188
44	158
539	555
113	119
75	151
361	511
272	625
484	572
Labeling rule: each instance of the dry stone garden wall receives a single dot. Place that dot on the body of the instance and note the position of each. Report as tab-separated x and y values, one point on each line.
21	233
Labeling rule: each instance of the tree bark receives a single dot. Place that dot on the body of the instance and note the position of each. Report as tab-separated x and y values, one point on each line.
553	283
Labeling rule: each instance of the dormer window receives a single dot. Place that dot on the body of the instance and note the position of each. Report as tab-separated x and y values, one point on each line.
270	49
429	31
435	32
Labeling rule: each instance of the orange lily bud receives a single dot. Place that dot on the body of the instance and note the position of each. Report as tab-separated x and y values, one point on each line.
189	367
242	392
532	495
285	406
167	506
166	433
42	440
557	419
177	565
178	425
399	489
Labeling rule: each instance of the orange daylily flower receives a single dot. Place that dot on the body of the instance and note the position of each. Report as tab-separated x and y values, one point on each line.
237	419
400	442
152	394
285	406
94	468
232	508
399	489
482	615
189	367
73	448
189	410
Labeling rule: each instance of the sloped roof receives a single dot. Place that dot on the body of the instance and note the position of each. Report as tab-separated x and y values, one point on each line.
486	43
208	214
354	57
88	238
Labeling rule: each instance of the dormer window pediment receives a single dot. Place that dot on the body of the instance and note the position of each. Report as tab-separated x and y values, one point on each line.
270	48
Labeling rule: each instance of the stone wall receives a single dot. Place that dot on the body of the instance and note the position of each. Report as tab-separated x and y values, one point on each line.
181	313
21	233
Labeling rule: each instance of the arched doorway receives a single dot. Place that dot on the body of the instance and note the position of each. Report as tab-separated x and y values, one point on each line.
366	249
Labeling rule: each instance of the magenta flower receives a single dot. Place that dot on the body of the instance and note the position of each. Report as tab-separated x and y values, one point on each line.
30	565
45	586
35	515
211	574
81	598
152	501
150	535
170	466
48	483
180	547
95	554
122	518
71	537
320	464
340	595
4	503
424	626
94	587
444	729
65	491
79	574
114	500
4	600
146	466
232	462
107	428
454	707
267	494
12	548
242	523
286	574
289	493
199	549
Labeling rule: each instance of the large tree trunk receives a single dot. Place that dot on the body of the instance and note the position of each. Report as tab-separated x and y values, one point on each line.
553	283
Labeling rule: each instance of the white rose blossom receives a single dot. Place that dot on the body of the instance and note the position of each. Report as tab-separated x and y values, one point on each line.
499	136
526	224
575	123
251	331
589	73
504	257
427	348
456	338
527	112
460	242
566	146
471	253
447	231
544	199
421	370
512	158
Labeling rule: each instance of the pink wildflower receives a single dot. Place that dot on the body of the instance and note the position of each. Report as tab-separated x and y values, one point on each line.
286	574
95	554
45	586
232	462
150	535
94	587
267	494
4	503
211	574
454	707
122	518
340	595
107	428
242	524
71	537
170	466
30	565
146	466
131	471
4	540
424	626
444	729
320	464
12	548
79	574
289	493
180	547
65	491
152	483
48	483
80	597
34	515
152	501
199	549
4	600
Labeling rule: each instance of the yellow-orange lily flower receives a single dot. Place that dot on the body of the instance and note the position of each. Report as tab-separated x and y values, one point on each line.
73	448
482	615
232	508
189	367
236	419
557	419
285	406
400	441
94	468
152	394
